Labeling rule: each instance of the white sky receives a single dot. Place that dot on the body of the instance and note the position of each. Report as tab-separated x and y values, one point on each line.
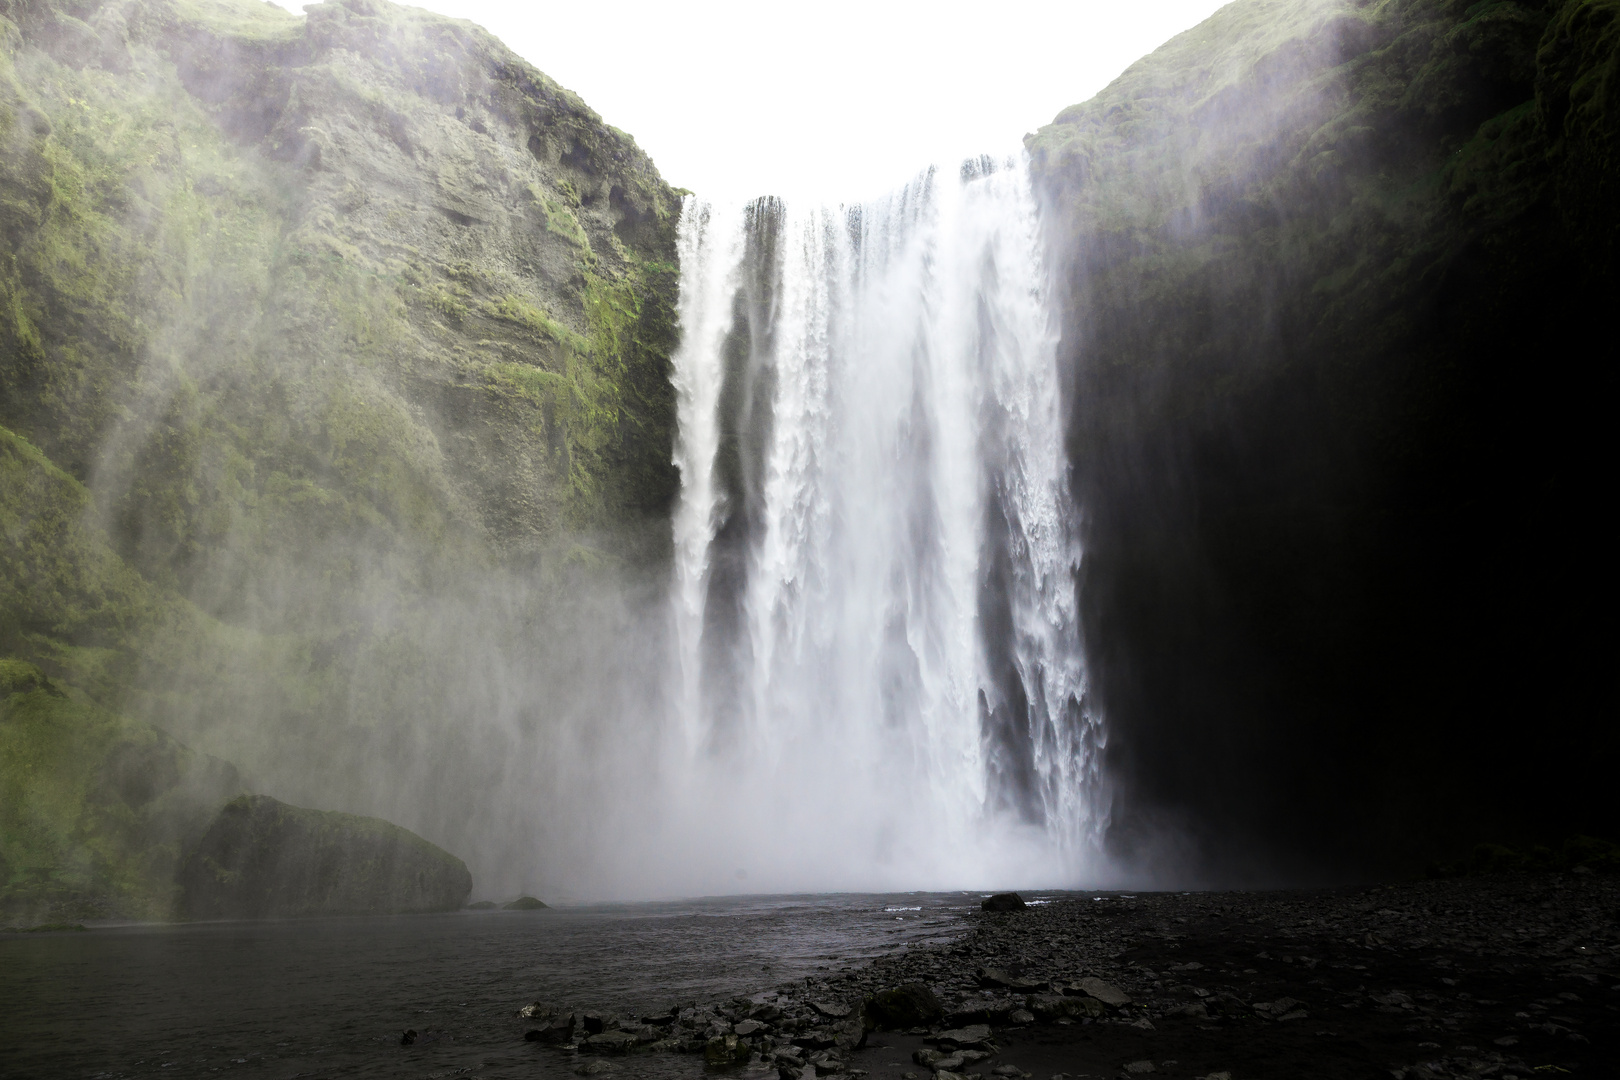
839	100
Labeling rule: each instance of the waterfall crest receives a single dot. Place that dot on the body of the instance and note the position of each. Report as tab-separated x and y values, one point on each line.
879	674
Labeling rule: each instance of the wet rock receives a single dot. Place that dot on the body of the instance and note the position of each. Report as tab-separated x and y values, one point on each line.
744	1028
593	1023
1274	1010
1009	979
970	1037
726	1050
1107	993
908	1006
592	1068
1007	901
928	1058
525	903
815	1039
555	1030
1049	1007
1136	1067
611	1042
994	1011
1020	1016
408	1037
831	1009
827	1064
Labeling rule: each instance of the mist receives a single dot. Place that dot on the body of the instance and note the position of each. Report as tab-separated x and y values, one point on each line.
1049	518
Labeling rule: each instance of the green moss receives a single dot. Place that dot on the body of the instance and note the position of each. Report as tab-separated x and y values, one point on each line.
286	363
519	312
94	808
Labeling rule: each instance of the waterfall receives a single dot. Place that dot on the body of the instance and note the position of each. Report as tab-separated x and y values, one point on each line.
879	675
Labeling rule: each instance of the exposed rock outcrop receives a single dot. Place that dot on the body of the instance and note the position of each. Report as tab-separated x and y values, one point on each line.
334	355
1332	275
264	859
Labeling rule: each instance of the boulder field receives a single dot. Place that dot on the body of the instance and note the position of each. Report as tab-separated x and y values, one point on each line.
1505	975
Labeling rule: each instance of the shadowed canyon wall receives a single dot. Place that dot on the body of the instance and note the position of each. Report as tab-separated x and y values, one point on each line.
1339	285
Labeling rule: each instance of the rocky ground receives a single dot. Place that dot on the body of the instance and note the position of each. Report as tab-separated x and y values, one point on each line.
1503	977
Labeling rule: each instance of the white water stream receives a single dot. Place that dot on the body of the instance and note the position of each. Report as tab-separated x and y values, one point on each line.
880	682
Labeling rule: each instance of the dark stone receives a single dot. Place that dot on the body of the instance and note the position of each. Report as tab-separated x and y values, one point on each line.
1007	901
555	1030
482	905
611	1042
1049	1007
264	859
970	1037
831	1009
524	903
594	1023
908	1006
406	1038
1107	993
1009	979
726	1050
745	1028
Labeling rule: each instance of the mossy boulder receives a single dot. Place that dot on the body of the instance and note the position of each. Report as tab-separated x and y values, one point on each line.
261	858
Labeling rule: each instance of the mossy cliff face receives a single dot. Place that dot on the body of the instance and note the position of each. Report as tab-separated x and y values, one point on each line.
1336	278
97	812
333	361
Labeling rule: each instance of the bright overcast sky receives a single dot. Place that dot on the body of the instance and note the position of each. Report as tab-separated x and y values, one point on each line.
834	100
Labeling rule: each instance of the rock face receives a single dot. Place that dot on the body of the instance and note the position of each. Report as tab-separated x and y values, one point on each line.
264	859
1311	249
305	319
1007	901
96	810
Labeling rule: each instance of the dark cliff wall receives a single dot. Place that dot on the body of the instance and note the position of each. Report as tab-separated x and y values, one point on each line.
1338	286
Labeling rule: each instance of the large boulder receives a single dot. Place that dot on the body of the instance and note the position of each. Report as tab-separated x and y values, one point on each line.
908	1006
264	859
1006	901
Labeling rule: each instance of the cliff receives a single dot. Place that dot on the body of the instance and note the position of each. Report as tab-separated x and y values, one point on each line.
97	812
1335	286
334	358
